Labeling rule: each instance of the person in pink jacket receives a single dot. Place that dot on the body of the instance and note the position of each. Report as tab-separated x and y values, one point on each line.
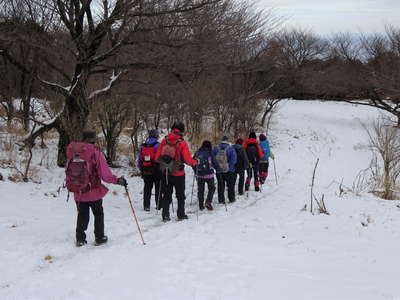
92	198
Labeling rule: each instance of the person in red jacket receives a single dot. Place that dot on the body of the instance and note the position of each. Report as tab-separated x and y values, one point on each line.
254	154
172	154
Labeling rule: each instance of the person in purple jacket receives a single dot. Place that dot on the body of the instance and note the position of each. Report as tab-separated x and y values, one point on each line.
204	171
149	170
225	158
93	198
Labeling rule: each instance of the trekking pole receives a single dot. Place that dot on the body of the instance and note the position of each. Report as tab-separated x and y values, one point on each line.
276	176
191	197
134	214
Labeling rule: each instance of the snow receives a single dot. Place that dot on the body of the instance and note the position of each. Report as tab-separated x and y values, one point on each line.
113	78
263	247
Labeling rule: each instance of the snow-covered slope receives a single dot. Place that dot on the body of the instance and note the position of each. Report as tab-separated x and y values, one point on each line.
263	247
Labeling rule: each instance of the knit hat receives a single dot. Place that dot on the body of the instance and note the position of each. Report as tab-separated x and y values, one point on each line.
89	136
252	135
206	144
178	126
154	133
263	137
225	138
239	141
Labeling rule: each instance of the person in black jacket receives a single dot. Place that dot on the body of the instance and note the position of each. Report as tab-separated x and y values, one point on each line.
242	164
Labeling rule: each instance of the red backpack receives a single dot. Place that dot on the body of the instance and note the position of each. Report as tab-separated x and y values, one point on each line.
169	160
81	176
147	155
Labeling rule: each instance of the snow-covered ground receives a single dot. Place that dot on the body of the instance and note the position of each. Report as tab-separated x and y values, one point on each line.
264	247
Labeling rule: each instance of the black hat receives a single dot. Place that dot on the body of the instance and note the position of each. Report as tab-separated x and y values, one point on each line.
206	144
154	133
252	135
262	137
179	126
89	136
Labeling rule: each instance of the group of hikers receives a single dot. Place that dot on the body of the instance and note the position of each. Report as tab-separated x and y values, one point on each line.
161	166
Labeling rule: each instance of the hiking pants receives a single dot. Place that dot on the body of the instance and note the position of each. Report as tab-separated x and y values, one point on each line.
177	182
253	171
264	171
83	219
149	181
201	182
240	174
229	179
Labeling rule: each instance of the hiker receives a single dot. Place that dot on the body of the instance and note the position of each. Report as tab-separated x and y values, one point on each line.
204	171
86	169
225	157
242	164
264	162
149	170
172	154
254	154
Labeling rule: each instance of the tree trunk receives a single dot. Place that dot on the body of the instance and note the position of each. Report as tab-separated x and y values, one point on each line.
73	121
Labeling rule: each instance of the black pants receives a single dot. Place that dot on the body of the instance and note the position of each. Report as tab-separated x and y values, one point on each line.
177	182
83	219
228	179
240	174
201	182
253	171
149	181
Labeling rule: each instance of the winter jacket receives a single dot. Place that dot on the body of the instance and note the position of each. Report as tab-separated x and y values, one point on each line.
231	154
206	152
242	162
254	141
151	141
266	150
182	151
97	165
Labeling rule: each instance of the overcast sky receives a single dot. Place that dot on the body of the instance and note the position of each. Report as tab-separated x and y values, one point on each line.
330	16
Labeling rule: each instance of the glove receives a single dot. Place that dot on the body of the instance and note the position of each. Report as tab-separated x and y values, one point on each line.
272	156
122	181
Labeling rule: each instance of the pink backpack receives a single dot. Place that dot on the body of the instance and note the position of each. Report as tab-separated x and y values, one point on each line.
80	173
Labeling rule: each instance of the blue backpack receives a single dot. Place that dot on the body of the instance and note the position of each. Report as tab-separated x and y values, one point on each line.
205	166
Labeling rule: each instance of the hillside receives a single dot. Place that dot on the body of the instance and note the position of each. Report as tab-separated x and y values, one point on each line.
264	247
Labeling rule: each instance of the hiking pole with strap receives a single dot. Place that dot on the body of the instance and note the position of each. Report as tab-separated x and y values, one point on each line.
134	214
276	176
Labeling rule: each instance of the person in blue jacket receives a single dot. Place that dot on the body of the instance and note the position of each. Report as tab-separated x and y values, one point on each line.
225	160
149	170
264	162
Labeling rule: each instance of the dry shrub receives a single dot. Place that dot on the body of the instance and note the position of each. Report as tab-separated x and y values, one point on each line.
384	142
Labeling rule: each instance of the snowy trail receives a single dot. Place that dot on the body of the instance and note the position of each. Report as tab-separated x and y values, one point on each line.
263	247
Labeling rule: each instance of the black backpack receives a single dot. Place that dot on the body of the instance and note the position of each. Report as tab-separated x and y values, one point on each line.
240	162
252	153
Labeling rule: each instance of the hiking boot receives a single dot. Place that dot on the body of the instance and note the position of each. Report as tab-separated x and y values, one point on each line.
257	188
80	243
232	201
166	219
101	240
246	187
201	206
184	217
241	193
147	209
221	202
209	206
